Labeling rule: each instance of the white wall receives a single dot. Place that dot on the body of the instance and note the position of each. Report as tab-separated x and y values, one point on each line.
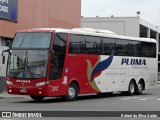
128	26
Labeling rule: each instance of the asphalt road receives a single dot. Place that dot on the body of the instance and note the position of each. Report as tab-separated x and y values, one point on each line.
148	101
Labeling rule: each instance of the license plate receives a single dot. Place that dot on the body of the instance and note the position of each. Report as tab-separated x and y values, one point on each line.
23	90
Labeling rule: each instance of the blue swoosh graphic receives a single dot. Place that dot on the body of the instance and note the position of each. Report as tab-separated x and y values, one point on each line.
102	65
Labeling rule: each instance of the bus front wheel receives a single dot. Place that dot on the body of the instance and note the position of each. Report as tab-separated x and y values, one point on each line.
37	98
72	92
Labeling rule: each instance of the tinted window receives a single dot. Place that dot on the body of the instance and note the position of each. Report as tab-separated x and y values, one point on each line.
152	48
134	49
108	45
77	44
80	44
148	49
93	45
121	46
60	41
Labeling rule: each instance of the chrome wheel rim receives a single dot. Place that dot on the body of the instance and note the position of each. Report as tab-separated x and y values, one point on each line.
132	89
71	92
140	87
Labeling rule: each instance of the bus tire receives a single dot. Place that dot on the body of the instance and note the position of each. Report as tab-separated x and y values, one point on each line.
37	98
72	93
132	88
139	88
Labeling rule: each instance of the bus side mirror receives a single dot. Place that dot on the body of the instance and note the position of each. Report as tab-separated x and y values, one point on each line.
3	59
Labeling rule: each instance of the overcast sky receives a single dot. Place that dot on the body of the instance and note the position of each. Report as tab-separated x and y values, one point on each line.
150	9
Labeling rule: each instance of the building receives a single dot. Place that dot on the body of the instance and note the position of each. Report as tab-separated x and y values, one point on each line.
23	14
127	26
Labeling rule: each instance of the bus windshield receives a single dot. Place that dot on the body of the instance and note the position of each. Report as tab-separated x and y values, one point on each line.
29	55
28	63
32	40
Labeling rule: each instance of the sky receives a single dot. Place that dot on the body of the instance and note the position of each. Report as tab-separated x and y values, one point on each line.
149	9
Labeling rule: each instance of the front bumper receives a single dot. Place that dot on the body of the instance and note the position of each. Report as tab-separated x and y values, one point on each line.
28	90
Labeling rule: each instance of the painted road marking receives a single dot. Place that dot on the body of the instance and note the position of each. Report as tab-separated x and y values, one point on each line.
130	98
145	99
141	98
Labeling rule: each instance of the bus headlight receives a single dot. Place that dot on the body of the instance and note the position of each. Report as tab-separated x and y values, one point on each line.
41	83
9	82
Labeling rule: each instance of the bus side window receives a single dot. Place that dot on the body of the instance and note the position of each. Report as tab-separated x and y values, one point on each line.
151	52
120	47
76	44
93	45
108	45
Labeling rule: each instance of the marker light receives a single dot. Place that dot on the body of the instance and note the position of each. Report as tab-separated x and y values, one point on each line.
10	91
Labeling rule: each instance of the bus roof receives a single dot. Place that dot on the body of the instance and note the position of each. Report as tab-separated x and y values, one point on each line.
45	30
89	31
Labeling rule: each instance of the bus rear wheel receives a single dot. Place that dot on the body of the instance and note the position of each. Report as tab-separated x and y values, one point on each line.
72	92
131	88
37	98
139	88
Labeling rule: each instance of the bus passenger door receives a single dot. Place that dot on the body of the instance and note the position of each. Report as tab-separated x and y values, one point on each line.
57	64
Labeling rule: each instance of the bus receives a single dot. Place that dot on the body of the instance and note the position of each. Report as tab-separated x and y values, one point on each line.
47	62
